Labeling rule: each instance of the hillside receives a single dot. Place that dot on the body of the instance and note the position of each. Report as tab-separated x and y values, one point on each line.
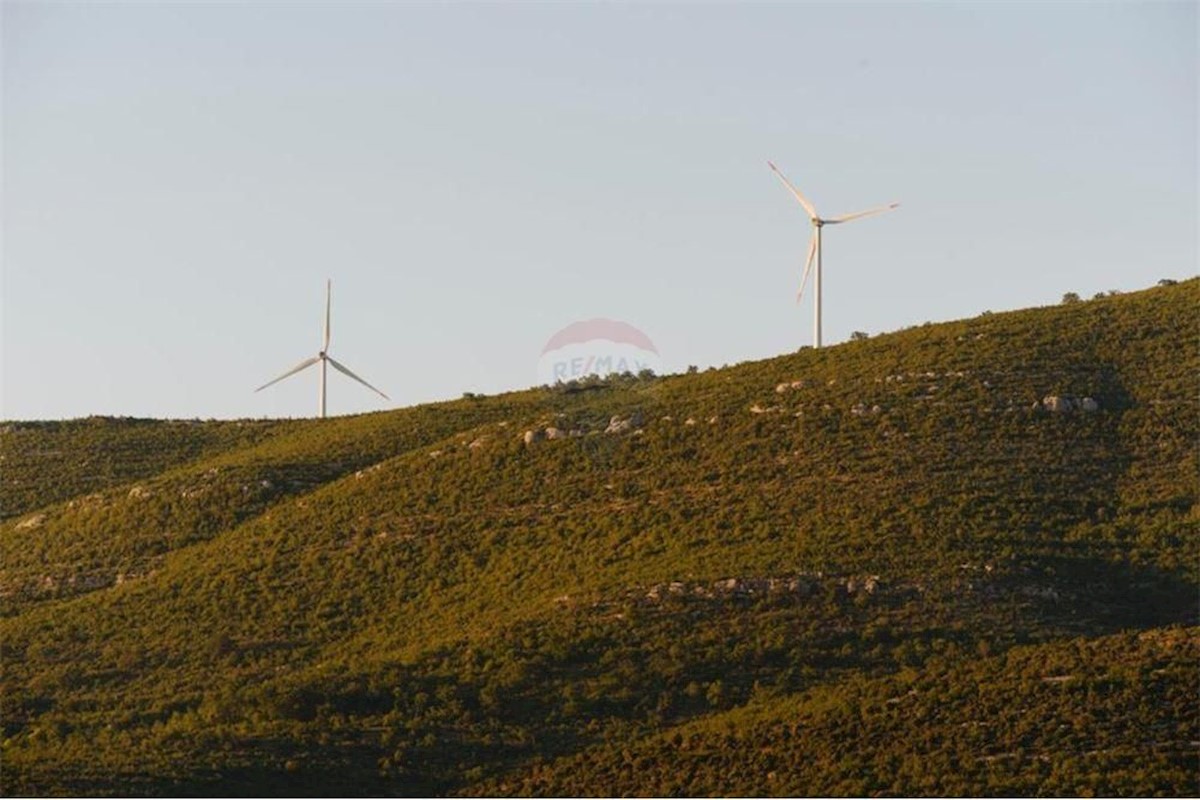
883	567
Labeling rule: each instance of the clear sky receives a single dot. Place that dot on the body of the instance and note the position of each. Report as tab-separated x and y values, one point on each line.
179	179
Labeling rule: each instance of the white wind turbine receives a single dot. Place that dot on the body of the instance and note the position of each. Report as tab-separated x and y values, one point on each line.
814	247
324	358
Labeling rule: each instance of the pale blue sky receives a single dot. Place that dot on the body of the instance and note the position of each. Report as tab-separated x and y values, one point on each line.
180	179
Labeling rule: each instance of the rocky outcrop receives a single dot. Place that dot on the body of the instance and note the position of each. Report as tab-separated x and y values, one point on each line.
624	425
803	584
757	409
861	409
631	424
867	583
1057	404
791	386
31	522
1064	404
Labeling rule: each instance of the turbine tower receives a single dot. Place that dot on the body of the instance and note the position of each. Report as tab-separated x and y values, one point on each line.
324	358
814	247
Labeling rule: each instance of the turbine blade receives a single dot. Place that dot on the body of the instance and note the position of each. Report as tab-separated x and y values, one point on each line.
305	364
342	369
328	292
812	251
861	214
812	212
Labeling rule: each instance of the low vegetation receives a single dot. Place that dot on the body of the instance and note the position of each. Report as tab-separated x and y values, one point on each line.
960	558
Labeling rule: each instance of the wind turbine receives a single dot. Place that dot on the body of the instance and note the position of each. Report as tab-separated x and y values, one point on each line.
324	358
814	248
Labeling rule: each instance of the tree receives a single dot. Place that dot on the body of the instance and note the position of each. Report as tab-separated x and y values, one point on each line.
1069	298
